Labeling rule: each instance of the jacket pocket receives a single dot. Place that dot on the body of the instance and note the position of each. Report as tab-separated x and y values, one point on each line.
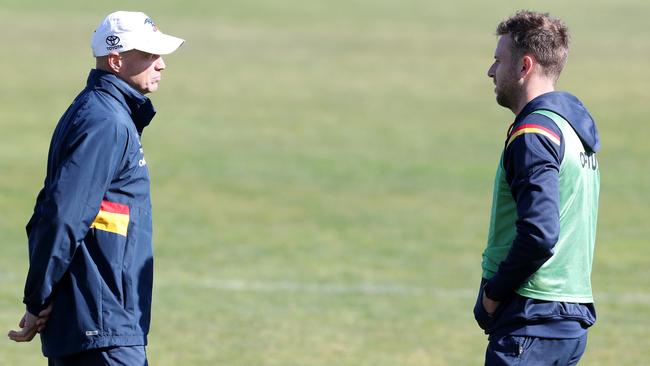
137	265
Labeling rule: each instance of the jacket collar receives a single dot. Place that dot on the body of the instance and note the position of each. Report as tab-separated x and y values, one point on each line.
138	105
572	110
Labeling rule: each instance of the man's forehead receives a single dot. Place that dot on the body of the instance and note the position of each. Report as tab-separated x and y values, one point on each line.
503	45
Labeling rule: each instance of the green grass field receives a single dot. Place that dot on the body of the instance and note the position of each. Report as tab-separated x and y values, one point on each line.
322	173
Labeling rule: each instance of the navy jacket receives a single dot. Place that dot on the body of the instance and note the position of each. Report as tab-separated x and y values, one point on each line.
536	193
90	250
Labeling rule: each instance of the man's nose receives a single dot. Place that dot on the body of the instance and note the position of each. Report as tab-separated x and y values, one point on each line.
490	72
160	63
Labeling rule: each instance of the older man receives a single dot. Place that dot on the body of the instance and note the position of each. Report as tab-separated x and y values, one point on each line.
535	300
89	285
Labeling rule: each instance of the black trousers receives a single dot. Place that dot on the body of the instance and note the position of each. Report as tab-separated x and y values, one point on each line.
530	351
113	356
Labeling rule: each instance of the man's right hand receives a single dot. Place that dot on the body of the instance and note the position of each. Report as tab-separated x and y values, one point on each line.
30	324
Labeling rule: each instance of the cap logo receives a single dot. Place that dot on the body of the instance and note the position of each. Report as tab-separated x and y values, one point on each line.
113	42
153	25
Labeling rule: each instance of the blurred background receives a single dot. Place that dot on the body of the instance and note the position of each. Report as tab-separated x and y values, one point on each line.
322	172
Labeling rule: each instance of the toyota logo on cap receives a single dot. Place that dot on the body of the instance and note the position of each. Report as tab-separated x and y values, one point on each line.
112	40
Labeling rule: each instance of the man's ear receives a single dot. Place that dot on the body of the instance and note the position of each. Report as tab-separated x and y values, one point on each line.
114	62
527	64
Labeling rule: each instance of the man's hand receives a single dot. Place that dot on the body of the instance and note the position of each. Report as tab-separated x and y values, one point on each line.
489	305
29	325
43	317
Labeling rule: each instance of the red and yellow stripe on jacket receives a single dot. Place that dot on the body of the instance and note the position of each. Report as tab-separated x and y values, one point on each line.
112	217
531	128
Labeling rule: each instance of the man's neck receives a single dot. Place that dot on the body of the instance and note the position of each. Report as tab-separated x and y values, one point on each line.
531	91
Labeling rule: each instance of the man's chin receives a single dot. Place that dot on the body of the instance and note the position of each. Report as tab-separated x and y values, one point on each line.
152	88
503	101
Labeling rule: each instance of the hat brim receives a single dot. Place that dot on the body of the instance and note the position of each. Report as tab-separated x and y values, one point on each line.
159	44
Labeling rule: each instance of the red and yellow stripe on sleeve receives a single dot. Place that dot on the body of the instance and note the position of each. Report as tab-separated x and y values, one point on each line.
530	128
112	217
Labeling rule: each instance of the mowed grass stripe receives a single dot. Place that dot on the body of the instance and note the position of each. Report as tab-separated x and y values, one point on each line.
368	288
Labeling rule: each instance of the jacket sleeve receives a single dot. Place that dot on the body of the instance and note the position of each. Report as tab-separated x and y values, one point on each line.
80	174
532	163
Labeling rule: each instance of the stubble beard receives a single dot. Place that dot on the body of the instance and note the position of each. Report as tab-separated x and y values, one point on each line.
508	90
507	95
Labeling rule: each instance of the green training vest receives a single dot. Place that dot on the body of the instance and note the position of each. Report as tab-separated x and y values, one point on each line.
566	276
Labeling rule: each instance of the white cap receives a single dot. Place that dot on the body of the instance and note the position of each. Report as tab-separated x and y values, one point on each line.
126	30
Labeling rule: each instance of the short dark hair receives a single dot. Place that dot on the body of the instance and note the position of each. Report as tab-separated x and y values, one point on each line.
541	35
